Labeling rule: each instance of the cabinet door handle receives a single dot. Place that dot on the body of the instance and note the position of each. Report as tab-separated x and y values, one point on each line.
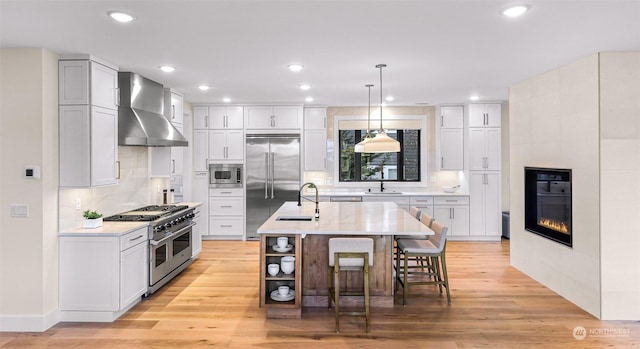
226	206
173	112
450	213
117	169
453	213
324	122
206	121
441	162
116	96
173	166
441	120
225	225
225	192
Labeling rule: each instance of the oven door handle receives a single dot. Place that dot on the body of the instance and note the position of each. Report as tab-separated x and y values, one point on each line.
178	232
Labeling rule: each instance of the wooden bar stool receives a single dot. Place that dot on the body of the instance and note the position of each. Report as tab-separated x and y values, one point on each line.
346	255
434	249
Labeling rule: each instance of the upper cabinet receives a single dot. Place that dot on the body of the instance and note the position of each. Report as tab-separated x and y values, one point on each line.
87	82
273	118
88	122
218	117
485	115
168	161
315	139
173	106
451	138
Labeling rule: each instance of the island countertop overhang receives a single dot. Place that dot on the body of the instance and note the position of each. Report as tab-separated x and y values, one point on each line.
345	218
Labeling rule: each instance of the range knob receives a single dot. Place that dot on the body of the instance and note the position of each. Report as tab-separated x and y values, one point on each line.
167	225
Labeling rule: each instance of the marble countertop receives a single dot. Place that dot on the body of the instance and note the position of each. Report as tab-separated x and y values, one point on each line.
115	228
392	192
345	218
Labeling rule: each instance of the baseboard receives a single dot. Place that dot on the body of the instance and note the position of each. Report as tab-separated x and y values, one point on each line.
29	323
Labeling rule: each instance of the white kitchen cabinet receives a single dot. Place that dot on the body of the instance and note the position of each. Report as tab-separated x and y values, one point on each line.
315	118
484	149
450	146
88	123
226	145
451	149
86	81
273	117
315	139
485	115
226	213
200	118
201	194
200	150
453	212
88	146
452	117
102	277
196	232
485	213
226	117
168	161
424	203
218	117
173	106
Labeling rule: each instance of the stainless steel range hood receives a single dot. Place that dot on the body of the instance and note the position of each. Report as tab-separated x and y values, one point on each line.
140	115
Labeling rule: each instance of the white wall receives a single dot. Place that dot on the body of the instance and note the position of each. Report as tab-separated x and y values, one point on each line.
584	116
29	246
554	123
620	184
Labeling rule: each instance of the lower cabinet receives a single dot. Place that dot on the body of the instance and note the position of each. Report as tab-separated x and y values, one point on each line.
196	233
486	215
424	203
102	277
281	306
226	214
453	212
401	201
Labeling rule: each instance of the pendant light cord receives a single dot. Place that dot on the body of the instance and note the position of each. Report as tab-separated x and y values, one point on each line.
369	113
381	66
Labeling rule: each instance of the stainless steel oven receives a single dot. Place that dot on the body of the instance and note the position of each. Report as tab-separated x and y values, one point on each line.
225	175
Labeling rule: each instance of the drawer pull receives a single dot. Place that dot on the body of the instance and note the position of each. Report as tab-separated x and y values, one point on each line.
225	192
451	200
225	225
136	238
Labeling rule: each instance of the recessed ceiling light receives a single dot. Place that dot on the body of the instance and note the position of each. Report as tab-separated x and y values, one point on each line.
204	87
389	98
226	99
295	67
474	98
167	68
514	11
309	99
305	87
121	16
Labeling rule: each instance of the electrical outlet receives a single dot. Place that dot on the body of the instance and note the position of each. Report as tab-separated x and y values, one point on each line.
434	179
78	204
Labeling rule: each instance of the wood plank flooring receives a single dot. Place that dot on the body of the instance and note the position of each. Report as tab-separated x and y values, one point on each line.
214	304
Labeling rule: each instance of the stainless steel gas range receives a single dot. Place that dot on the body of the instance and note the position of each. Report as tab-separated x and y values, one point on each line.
170	239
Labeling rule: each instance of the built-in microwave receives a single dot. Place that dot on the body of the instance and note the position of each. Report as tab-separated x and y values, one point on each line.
225	175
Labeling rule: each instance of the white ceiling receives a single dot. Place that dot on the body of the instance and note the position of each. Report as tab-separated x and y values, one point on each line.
436	51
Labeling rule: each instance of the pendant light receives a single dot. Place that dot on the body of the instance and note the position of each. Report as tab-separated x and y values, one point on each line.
381	143
359	148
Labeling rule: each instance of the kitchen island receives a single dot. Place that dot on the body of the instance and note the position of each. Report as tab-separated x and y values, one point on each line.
309	245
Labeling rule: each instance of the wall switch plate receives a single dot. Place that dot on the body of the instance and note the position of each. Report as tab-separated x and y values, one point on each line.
434	179
78	204
19	210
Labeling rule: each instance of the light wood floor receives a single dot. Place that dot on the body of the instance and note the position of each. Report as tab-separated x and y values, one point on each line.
214	304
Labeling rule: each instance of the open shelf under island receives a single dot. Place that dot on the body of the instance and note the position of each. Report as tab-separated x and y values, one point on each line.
309	240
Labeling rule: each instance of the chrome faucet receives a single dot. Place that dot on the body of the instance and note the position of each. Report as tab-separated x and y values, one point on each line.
311	185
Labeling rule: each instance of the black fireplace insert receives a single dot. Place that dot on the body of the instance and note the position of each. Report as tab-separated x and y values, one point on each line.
547	203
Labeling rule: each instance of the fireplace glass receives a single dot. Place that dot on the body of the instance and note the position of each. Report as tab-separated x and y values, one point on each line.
547	207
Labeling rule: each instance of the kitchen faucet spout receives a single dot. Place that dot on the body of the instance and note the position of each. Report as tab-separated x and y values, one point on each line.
310	185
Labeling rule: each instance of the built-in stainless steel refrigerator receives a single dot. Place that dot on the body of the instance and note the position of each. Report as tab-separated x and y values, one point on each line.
272	176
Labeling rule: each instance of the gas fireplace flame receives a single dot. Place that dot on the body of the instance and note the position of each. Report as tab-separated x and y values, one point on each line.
554	225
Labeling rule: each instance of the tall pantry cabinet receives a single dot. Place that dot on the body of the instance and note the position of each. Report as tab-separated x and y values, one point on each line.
484	170
88	99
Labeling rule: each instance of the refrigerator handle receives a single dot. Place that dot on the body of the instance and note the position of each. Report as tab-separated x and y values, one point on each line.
266	174
273	174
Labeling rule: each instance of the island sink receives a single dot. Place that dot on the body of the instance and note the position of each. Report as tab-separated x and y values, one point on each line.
294	218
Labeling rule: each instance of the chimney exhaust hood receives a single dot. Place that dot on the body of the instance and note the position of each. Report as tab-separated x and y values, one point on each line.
140	115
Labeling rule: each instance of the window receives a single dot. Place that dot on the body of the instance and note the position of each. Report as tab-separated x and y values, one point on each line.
362	167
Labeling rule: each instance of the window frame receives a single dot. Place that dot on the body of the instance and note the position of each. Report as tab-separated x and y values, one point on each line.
365	184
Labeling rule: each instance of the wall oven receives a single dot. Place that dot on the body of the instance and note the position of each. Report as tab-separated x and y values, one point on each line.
225	175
